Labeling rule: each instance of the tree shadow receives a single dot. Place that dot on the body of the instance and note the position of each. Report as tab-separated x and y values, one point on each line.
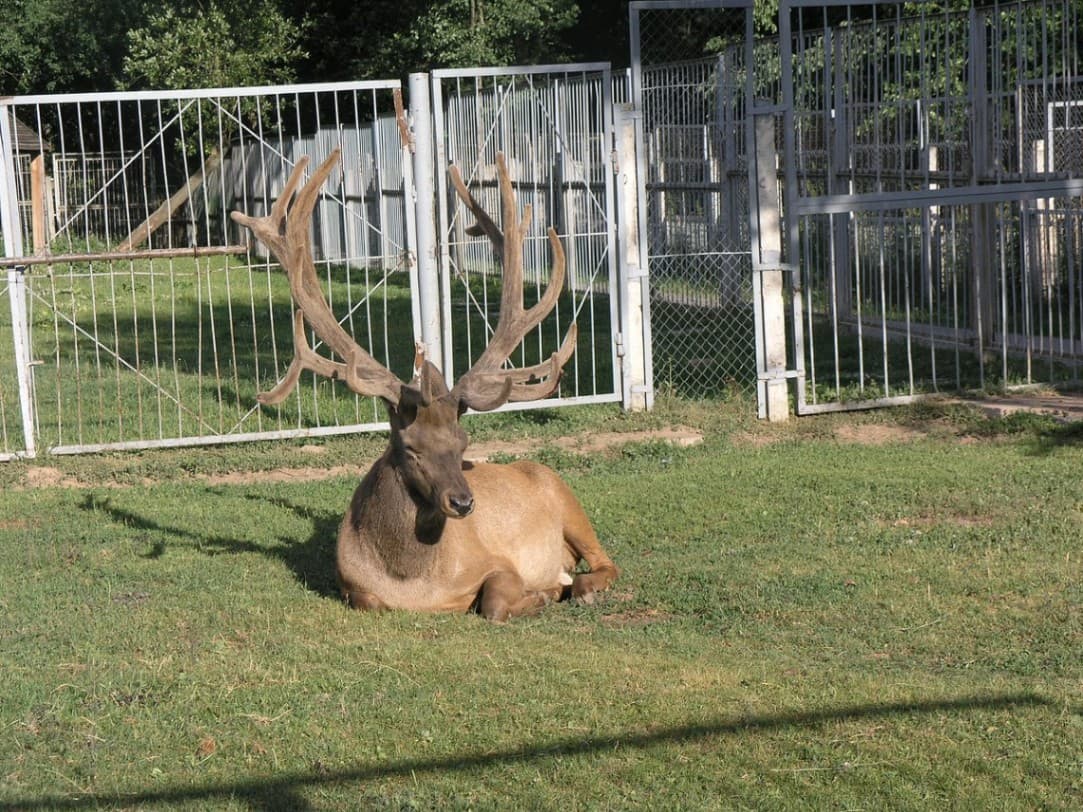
1047	441
282	791
311	561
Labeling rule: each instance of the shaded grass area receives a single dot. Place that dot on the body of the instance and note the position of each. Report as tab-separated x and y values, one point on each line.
853	362
805	620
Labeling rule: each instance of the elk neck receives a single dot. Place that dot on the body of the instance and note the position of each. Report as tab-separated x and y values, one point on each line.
401	526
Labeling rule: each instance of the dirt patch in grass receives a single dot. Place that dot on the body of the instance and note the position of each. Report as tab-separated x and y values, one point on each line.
872	434
1063	406
877	434
635	618
49	477
926	521
305	474
598	443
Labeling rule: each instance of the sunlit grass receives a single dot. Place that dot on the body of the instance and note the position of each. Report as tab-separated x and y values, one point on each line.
805	620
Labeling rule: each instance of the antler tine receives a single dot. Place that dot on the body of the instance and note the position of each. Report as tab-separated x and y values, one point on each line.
288	238
486	385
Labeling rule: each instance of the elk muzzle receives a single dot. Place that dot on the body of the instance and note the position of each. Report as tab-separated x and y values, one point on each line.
458	505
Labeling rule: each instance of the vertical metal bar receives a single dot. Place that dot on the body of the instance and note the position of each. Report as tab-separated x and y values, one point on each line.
643	176
792	239
443	219
610	136
428	273
17	293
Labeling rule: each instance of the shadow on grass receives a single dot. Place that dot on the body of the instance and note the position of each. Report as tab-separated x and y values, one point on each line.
312	561
283	790
1049	440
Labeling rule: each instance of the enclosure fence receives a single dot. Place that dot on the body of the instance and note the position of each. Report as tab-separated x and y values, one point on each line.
139	315
555	128
877	202
933	191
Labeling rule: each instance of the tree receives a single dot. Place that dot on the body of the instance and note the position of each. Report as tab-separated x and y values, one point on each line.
220	43
464	33
63	45
384	39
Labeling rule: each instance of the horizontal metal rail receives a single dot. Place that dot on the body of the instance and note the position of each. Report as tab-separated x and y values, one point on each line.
109	256
198	93
921	198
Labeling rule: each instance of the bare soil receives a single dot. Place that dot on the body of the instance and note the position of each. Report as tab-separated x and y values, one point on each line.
1067	406
599	443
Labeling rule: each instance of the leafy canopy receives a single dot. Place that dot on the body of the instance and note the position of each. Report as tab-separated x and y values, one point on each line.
221	43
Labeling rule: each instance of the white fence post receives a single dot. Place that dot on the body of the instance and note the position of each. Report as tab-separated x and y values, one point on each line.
634	349
428	269
11	231
773	390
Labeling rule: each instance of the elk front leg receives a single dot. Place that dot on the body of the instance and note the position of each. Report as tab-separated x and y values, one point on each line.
503	595
579	535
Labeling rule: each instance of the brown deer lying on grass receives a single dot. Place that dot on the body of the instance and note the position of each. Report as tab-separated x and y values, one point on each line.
425	530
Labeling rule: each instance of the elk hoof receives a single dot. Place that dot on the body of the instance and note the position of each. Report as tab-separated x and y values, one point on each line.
583	589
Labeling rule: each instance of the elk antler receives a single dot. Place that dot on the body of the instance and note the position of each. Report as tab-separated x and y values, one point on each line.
487	384
289	240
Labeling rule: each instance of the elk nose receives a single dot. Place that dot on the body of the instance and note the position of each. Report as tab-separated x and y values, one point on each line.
463	505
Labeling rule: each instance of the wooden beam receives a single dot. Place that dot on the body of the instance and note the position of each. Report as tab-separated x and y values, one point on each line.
37	203
141	233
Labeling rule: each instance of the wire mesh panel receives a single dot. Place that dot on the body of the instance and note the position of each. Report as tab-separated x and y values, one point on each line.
554	125
690	81
935	185
153	321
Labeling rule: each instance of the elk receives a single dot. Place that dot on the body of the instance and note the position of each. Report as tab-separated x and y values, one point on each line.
425	530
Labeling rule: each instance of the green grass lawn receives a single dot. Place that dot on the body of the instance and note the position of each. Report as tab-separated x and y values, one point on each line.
876	611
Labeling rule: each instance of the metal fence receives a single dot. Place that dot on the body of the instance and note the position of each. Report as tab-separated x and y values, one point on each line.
695	174
142	318
934	175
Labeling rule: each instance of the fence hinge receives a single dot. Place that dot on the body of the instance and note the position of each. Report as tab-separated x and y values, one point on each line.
779	374
635	272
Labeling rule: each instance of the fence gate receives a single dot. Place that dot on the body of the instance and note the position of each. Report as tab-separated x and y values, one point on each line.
933	194
554	125
139	316
693	137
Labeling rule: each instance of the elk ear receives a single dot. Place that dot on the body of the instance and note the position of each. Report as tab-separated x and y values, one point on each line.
426	388
431	382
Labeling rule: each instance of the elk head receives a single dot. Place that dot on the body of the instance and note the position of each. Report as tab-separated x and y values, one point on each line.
427	442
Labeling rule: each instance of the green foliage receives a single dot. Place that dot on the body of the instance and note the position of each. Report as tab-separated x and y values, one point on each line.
486	32
62	45
221	43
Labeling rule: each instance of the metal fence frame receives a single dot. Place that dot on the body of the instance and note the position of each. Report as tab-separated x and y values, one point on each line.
693	136
928	224
382	208
96	302
554	123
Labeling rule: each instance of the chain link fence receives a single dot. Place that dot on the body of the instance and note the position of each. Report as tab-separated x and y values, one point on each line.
689	72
